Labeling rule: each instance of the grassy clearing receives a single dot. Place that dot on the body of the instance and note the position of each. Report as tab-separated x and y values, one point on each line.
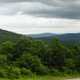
44	78
48	77
38	78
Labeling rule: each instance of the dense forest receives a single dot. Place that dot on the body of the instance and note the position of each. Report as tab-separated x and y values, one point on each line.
28	56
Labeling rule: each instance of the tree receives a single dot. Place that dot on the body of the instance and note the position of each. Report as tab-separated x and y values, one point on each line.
7	47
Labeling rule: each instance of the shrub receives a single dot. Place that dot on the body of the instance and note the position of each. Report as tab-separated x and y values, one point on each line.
25	71
14	72
33	63
41	70
55	72
3	72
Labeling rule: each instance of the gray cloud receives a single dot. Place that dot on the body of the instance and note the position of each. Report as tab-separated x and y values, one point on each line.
53	2
42	8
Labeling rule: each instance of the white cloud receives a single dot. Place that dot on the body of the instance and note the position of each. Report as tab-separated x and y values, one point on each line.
27	24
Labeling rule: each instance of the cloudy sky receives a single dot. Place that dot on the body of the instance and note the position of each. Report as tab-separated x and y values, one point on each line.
38	16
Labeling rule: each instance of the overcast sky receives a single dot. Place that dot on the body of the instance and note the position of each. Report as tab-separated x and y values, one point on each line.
38	16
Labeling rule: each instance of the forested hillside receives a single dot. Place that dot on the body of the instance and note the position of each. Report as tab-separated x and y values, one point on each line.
7	35
27	56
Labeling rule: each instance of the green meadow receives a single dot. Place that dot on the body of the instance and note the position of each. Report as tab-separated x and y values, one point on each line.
38	78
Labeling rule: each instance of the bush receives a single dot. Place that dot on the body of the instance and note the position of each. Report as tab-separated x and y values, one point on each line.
25	71
41	70
3	72
14	72
33	63
55	72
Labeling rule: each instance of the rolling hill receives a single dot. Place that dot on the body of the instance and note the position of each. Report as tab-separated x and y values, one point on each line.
70	37
7	35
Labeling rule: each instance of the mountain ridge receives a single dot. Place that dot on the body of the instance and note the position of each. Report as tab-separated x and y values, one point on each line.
68	37
8	35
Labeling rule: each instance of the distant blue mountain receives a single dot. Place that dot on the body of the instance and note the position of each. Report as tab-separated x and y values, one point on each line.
68	37
42	35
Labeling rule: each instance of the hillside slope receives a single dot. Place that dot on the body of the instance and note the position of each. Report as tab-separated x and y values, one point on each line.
7	35
70	37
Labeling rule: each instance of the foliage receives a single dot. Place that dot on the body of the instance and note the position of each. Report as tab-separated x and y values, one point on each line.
27	56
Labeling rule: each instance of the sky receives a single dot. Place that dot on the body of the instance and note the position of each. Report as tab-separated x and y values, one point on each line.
40	16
